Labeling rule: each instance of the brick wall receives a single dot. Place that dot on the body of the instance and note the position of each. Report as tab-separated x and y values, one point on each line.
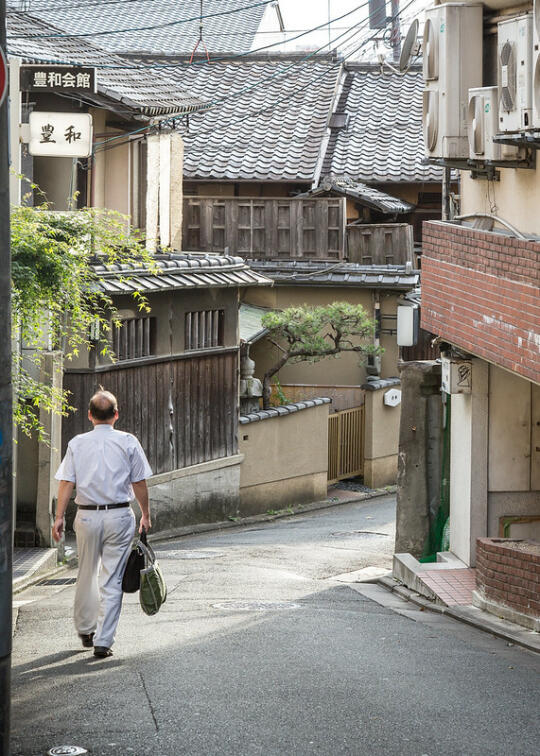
481	292
507	575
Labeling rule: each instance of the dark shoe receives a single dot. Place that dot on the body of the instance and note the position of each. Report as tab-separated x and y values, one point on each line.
87	640
102	652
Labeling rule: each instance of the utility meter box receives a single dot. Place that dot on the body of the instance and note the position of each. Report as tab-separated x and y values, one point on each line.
392	398
456	376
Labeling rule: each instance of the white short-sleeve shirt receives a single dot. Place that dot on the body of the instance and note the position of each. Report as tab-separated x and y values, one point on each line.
103	464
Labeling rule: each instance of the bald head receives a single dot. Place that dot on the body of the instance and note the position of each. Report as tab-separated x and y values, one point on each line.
103	406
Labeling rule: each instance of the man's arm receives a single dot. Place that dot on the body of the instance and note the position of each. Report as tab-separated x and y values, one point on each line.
141	494
65	489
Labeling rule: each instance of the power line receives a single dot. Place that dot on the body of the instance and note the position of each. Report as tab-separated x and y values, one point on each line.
165	25
227	58
105	145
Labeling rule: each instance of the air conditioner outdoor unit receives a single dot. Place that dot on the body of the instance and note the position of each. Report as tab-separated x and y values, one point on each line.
452	64
536	64
484	124
514	53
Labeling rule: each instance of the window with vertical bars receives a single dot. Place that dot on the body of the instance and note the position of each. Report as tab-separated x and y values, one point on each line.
204	329
135	338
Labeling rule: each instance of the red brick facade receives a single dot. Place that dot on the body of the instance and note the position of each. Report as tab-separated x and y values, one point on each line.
509	576
481	292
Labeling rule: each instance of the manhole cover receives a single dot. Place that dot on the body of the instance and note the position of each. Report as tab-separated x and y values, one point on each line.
189	554
349	533
67	750
255	606
60	581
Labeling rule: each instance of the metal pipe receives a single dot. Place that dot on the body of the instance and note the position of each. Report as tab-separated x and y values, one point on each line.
496	218
6	427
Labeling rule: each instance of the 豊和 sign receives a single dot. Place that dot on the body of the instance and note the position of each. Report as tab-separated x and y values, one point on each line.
46	78
60	134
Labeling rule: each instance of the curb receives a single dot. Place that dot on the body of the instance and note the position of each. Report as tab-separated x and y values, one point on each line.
514	634
205	527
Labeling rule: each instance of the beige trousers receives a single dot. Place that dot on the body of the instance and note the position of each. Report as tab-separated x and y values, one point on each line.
103	542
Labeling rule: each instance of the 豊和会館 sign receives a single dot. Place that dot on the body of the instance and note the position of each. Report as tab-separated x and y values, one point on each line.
47	78
60	134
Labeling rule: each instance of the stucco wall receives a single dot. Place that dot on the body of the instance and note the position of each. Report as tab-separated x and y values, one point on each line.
279	467
343	370
381	440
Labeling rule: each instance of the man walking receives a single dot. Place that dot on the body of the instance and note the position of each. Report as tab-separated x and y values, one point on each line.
108	468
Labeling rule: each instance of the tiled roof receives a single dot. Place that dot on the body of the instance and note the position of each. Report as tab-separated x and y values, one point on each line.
365	194
269	121
312	273
178	271
285	409
135	90
382	140
232	33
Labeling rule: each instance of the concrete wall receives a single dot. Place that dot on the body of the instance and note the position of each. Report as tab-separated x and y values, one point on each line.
419	460
203	493
279	467
381	440
469	466
343	370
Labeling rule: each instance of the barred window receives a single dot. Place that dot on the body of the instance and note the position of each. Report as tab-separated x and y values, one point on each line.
204	329
135	338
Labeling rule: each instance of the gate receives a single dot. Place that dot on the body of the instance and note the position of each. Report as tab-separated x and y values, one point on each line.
345	444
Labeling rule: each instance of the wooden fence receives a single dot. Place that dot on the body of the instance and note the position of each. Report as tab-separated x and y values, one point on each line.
266	228
345	444
183	410
380	244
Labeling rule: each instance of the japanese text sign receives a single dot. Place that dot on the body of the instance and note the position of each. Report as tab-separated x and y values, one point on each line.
60	134
57	79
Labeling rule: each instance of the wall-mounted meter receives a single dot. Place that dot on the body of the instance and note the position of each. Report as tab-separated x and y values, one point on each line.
392	398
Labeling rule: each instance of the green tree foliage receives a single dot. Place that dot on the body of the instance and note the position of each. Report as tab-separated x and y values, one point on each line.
56	299
310	334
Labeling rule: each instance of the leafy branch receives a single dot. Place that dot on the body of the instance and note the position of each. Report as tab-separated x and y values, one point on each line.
311	334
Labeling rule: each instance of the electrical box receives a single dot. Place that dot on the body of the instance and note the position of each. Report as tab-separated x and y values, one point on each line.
408	324
456	376
515	57
392	398
452	64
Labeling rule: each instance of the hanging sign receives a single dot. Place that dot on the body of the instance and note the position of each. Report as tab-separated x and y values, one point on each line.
3	76
60	134
67	79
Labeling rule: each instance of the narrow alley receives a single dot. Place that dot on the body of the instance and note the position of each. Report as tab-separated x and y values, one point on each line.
263	647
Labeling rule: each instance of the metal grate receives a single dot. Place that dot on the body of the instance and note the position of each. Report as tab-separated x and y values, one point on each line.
58	581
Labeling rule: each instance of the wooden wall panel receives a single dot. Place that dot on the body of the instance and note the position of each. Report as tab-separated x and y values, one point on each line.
183	411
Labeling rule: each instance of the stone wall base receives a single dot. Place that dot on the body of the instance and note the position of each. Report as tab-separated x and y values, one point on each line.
505	612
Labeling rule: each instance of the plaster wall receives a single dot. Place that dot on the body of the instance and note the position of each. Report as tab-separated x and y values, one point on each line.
347	369
53	176
279	463
381	440
516	196
175	305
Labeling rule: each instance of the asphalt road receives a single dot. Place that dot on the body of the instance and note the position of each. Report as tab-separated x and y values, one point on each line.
261	650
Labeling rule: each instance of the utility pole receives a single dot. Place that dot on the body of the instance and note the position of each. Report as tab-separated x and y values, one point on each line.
6	426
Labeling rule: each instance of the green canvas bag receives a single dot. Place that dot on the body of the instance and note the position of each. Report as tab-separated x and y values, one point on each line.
153	590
